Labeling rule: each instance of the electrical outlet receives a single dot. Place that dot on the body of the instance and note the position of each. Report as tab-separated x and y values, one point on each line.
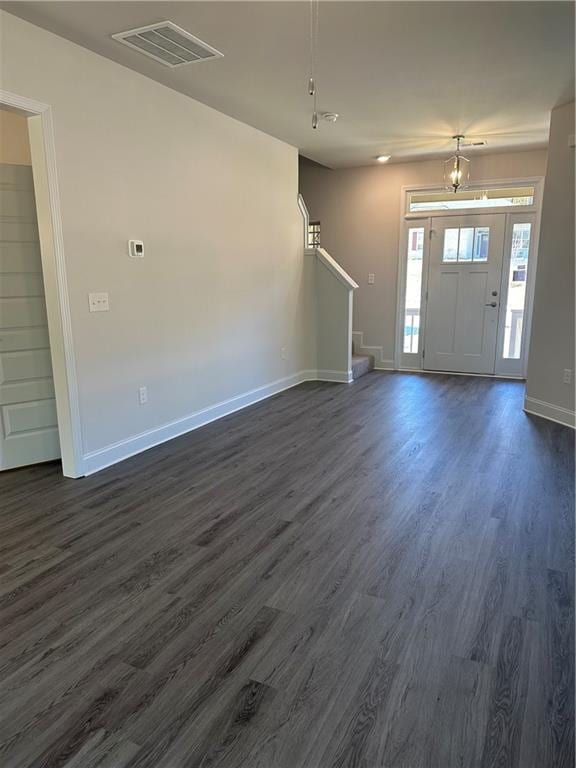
98	302
284	353
142	395
567	376
371	278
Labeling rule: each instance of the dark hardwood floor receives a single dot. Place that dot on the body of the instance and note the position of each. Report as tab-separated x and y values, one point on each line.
378	575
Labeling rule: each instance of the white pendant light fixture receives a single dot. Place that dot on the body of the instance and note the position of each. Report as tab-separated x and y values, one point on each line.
456	168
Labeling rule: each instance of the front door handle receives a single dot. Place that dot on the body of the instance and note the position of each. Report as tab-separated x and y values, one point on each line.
492	304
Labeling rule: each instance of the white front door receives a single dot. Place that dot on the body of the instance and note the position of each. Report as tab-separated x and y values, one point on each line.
28	424
464	276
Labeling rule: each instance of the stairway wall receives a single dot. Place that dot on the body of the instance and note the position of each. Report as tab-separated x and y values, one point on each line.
333	325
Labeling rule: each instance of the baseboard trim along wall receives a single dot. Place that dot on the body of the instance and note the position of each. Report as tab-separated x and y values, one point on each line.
549	411
406	369
339	377
95	461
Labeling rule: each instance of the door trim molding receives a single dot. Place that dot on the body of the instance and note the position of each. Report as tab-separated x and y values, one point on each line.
57	294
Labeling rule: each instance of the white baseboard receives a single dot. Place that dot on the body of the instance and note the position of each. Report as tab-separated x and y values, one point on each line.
549	411
406	369
339	377
94	461
385	365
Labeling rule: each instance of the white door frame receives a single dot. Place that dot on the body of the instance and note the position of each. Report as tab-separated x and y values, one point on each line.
43	152
424	219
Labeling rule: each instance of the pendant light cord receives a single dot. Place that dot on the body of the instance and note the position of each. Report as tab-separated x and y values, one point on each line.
314	38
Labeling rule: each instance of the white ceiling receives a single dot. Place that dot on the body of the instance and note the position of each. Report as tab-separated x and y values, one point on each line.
404	76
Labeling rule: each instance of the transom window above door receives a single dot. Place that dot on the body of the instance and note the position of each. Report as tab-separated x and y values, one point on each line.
468	244
475	198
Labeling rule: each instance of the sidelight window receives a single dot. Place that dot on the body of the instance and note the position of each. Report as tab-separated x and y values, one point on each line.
516	294
412	300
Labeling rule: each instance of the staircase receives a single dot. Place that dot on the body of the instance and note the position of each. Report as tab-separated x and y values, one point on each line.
361	364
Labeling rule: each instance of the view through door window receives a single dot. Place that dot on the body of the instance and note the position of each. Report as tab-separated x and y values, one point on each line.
466	244
516	295
415	254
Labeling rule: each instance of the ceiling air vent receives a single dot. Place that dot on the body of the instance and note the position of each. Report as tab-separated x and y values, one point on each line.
168	43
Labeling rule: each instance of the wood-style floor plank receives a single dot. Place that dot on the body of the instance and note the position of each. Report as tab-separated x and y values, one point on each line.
378	575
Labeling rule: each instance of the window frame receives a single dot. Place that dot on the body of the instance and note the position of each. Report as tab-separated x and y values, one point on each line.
314	234
411	360
535	182
509	366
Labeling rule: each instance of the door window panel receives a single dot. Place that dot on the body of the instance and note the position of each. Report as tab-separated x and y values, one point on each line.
412	299
450	245
516	294
466	244
481	239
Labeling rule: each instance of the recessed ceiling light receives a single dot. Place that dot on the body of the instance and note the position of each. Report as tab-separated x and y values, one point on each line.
383	158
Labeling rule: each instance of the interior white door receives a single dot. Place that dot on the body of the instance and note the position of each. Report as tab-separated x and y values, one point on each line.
28	423
464	276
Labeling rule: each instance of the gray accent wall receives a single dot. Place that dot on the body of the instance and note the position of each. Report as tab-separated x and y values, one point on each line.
359	211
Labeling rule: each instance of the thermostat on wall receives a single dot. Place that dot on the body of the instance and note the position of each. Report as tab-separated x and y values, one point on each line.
136	249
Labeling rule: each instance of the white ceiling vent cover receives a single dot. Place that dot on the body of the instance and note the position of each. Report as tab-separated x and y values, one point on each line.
168	43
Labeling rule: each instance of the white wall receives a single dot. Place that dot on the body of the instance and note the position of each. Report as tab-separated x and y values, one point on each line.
552	342
222	288
359	211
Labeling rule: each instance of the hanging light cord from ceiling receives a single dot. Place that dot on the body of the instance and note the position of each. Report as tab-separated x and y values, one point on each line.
314	37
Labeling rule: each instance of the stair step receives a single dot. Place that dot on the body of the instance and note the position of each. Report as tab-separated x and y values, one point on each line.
361	364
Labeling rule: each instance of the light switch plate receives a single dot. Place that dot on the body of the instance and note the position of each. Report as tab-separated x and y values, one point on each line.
371	278
98	302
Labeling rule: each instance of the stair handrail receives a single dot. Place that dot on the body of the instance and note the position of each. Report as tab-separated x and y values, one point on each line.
339	273
306	221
